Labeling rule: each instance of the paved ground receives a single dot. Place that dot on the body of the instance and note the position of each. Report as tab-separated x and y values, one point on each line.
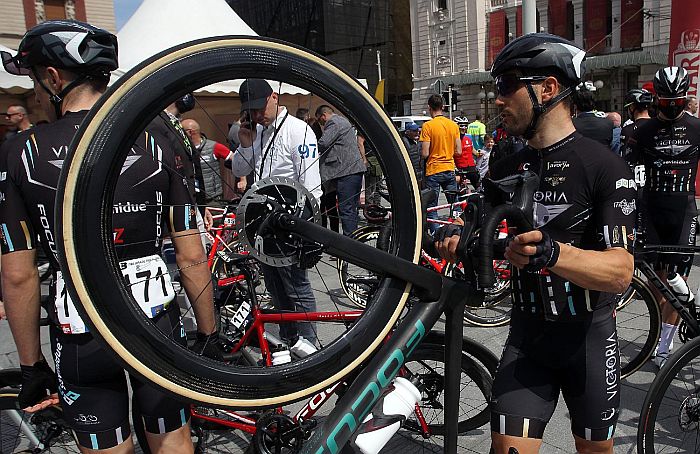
557	437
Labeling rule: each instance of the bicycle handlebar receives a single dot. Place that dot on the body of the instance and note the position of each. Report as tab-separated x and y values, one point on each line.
517	214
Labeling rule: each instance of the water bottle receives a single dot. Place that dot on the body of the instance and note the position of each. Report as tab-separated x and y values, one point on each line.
281	356
392	409
303	348
679	287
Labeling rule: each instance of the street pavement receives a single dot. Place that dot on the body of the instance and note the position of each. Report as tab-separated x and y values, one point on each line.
557	438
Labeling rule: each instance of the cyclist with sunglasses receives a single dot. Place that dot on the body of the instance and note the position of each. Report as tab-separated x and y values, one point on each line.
664	153
568	270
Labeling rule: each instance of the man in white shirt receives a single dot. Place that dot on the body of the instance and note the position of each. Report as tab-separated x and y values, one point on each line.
274	143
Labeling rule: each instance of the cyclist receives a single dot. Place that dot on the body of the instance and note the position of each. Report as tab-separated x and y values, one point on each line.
70	62
589	121
664	153
465	166
637	102
568	270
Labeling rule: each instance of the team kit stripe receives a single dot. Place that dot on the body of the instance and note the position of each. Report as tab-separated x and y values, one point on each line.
27	236
8	240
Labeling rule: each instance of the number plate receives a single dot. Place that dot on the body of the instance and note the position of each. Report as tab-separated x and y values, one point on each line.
241	315
149	282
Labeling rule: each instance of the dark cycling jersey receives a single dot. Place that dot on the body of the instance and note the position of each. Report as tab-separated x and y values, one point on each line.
596	126
586	198
627	132
151	197
664	155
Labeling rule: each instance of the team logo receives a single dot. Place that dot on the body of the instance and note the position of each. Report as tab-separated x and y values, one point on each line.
607	415
523	166
616	235
550	196
626	207
545	213
625	183
555	181
561	165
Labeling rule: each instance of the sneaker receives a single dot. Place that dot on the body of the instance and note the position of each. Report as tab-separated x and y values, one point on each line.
660	359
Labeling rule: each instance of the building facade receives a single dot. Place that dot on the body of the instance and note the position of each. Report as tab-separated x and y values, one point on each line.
455	41
20	15
364	37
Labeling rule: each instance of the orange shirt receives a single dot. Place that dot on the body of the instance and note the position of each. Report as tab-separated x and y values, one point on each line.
442	133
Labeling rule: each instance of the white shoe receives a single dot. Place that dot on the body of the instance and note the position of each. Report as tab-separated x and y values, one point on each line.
660	359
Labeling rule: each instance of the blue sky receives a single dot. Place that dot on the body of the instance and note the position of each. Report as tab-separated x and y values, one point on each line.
123	9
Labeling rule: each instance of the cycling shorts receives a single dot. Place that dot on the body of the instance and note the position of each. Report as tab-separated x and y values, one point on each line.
671	220
542	358
94	395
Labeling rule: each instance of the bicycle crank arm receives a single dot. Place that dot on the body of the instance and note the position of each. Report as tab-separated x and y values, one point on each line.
363	255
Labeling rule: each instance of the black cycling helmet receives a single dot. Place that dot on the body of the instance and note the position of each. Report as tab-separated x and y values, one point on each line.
640	97
538	55
671	86
87	51
185	104
375	213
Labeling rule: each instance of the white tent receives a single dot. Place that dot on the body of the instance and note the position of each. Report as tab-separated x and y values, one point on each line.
11	84
157	25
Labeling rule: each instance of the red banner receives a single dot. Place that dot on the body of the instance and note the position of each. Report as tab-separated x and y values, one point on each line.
519	21
684	48
557	17
497	33
632	23
596	27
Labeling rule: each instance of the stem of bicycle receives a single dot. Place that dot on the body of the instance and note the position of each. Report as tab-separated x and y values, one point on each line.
671	299
366	389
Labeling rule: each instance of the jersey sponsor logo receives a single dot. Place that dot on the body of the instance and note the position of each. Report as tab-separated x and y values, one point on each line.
626	207
86	419
68	397
555	181
560	165
611	366
118	233
673	162
159	217
61	150
523	166
550	196
43	219
128	207
545	213
616	234
607	414
625	183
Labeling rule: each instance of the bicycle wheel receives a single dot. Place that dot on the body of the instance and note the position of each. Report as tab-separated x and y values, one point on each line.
497	305
357	282
87	191
44	431
670	417
638	327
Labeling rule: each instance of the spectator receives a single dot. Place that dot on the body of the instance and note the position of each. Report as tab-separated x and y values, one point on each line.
342	164
209	153
617	130
464	163
482	159
240	183
588	121
691	105
477	131
268	126
410	141
374	174
440	142
18	117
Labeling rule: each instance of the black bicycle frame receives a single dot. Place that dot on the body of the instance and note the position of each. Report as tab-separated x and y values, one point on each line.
440	295
664	289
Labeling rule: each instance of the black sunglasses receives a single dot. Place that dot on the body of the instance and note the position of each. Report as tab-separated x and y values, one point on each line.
12	66
507	84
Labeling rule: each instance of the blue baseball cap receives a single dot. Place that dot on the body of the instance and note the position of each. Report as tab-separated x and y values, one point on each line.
412	127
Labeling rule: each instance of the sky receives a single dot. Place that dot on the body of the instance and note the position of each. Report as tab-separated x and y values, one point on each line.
123	9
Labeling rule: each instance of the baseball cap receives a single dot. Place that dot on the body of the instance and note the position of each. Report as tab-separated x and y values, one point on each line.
412	127
254	94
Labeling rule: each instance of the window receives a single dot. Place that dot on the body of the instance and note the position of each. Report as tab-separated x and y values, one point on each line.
55	9
441	4
569	21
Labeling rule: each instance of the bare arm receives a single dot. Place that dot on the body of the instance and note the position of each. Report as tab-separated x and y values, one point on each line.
21	293
606	271
196	277
361	146
425	149
458	147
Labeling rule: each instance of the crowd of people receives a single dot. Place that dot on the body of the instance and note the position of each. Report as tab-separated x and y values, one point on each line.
567	271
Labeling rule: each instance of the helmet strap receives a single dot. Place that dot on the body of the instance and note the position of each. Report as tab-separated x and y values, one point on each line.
538	108
57	98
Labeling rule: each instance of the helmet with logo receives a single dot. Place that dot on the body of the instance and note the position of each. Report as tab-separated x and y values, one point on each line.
537	55
671	85
65	44
80	48
638	96
462	121
185	104
671	82
542	54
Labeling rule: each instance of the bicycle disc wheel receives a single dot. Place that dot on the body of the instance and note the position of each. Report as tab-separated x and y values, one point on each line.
24	432
670	417
638	327
88	258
